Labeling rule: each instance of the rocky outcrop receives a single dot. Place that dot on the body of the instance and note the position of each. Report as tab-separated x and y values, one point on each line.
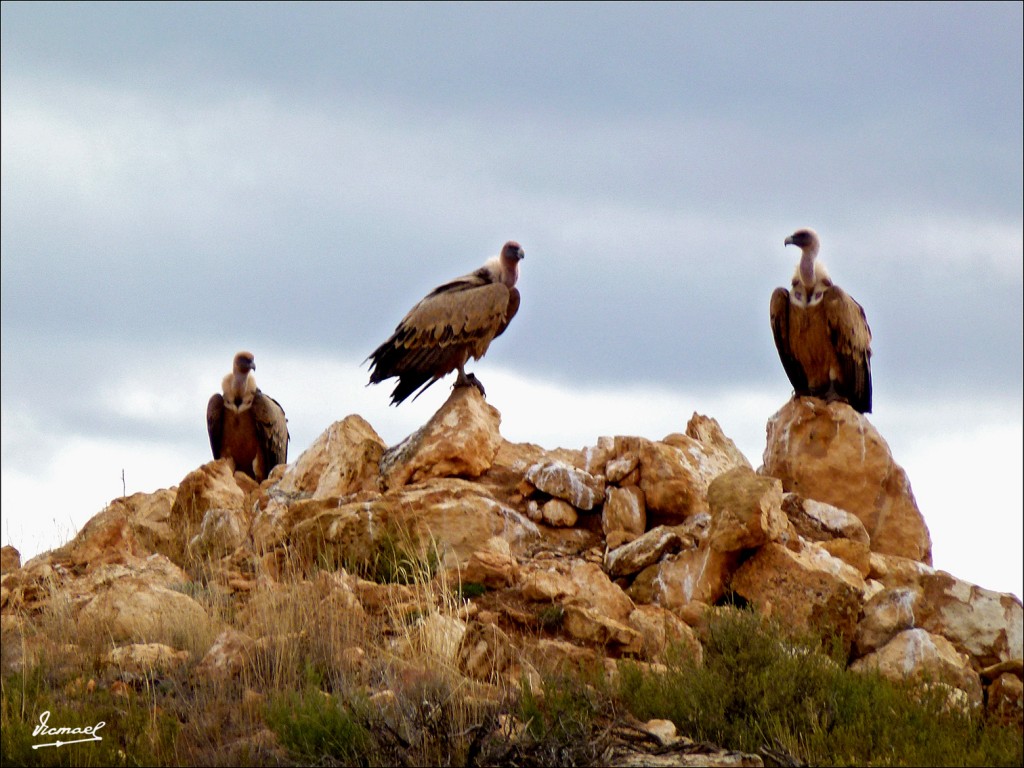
832	454
612	551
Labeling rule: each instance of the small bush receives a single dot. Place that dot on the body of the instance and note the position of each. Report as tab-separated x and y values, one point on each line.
314	727
762	687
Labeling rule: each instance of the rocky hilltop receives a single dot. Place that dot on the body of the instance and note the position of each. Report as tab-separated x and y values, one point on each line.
616	550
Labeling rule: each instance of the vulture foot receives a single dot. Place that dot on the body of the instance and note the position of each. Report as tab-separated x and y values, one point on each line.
469	380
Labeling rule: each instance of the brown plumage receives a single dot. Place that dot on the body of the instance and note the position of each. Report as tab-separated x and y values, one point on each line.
821	333
246	425
454	322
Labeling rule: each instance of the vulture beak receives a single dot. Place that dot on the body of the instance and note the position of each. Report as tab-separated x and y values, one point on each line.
789	241
520	254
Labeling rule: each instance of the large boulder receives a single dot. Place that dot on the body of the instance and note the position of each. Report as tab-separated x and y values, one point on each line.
831	453
460	440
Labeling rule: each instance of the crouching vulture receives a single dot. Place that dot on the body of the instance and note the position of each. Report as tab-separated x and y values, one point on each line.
245	425
821	333
452	323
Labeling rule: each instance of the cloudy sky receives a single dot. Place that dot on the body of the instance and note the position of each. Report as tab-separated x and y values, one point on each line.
181	181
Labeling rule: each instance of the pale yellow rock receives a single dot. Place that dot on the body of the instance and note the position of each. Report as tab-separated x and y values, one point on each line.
461	439
547	586
661	629
624	510
231	652
886	614
987	625
493	565
558	513
817	521
145	659
918	653
746	510
854	553
589	626
597	592
653	546
831	453
344	459
212	486
568	483
808	589
700	574
132	610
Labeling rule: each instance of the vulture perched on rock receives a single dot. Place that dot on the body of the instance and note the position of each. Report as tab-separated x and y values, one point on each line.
246	425
821	333
452	323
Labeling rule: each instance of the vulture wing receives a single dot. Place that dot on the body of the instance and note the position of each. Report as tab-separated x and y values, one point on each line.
215	423
851	337
779	311
271	431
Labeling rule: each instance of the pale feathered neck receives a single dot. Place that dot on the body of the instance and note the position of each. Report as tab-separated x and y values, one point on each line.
503	270
239	388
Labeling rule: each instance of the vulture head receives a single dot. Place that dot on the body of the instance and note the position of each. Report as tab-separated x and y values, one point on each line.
809	244
244	362
511	254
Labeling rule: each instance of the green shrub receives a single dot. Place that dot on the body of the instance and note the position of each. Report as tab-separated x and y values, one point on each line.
760	686
317	728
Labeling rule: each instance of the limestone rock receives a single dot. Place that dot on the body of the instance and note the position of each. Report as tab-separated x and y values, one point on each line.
854	553
493	565
571	484
437	636
805	589
649	549
1005	700
700	574
831	453
221	532
212	486
918	653
10	559
624	510
986	625
140	660
660	629
675	472
486	653
708	432
547	586
671	480
228	655
746	510
590	626
597	592
344	459
461	440
817	521
133	610
886	614
558	513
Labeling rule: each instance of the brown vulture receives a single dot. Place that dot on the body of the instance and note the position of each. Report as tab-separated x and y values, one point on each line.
821	333
246	425
452	323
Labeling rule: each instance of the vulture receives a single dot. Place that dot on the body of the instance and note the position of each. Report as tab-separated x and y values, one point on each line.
452	323
246	425
821	333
